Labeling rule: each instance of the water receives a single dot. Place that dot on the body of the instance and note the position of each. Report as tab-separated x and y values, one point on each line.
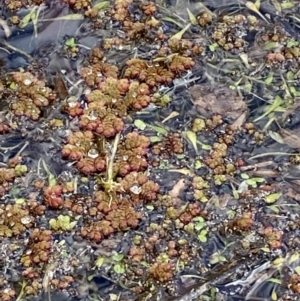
223	222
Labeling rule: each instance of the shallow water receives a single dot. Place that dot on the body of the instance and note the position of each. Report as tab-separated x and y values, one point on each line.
240	241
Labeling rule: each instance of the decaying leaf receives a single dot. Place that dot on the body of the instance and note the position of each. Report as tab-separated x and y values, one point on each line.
255	7
277	5
269	109
101	5
179	34
172	115
66	17
291	138
178	187
239	122
272	198
5	27
192	17
193	139
276	136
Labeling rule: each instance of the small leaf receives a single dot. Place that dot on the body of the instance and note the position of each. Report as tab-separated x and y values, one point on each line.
254	7
275	280
251	183
99	262
24	22
214	258
272	198
20	201
192	17
70	42
274	295
199	226
269	79
117	257
258	180
277	5
154	139
222	258
274	208
287	5
279	261
172	115
66	17
140	124
266	250
276	136
290	75
244	58
150	207
198	219
198	164
204	146
292	43
158	129
119	269
193	139
179	34
202	238
277	103
294	257
244	176
183	171
213	47
168	19
51	180
113	297
203	232
13	86
101	5
270	45
235	194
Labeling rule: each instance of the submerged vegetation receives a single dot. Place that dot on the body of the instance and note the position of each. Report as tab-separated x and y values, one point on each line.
149	150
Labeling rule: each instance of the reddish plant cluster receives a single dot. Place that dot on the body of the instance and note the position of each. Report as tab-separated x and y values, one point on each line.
62	282
7	176
139	187
218	157
161	271
294	283
148	30
15	219
7	294
242	223
120	11
31	94
73	108
96	73
227	31
119	215
4	128
171	144
38	248
131	155
82	148
182	48
137	253
14	5
191	211
152	75
79	4
53	196
273	237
